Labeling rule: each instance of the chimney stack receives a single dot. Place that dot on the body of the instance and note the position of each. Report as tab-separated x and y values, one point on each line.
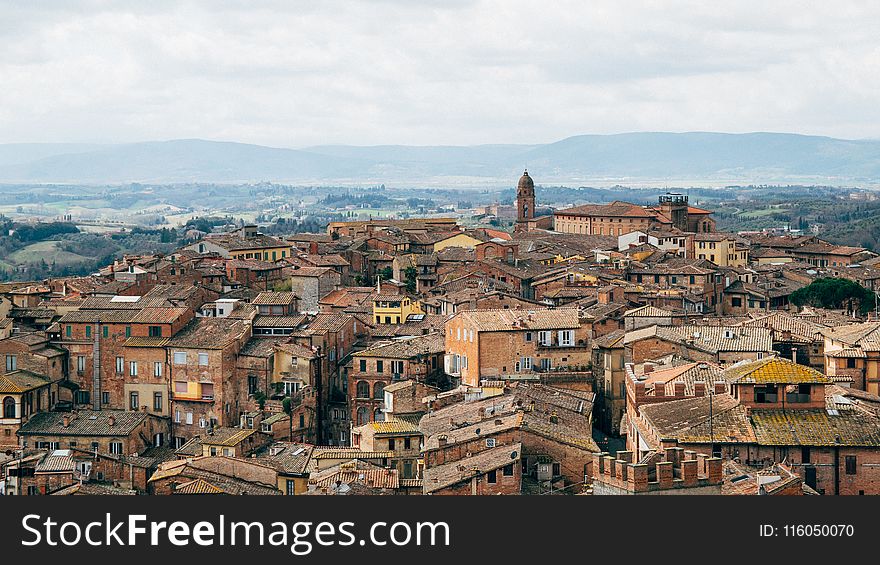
65	421
111	421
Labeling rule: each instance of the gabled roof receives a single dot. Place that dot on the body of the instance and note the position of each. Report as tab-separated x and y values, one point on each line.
442	476
21	381
774	370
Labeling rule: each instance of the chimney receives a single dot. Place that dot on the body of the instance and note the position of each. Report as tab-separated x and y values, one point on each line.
554	418
111	421
720	387
638	478
441	441
679	389
794	354
648	368
65	421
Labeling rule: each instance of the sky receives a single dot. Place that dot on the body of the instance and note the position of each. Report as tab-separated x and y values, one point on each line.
433	72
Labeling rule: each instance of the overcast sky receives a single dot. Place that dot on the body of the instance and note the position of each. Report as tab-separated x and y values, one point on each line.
294	74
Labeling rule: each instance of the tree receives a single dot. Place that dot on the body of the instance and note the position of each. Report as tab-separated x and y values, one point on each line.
409	277
386	274
834	293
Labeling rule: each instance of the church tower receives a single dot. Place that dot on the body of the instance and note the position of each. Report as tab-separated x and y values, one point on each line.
525	201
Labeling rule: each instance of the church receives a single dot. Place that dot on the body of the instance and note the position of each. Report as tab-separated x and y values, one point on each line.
616	218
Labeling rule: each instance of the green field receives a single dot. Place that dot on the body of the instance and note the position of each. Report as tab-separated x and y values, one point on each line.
45	250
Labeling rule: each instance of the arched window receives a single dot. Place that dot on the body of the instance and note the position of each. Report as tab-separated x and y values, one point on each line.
363	389
363	416
379	391
378	416
9	407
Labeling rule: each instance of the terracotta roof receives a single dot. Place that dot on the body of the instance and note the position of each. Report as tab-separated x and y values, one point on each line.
286	457
198	486
614	209
95	316
442	476
21	381
229	437
712	339
165	315
357	471
774	370
406	348
270	298
84	423
136	341
518	320
209	333
816	428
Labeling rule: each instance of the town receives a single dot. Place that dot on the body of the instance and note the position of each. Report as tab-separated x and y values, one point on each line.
613	348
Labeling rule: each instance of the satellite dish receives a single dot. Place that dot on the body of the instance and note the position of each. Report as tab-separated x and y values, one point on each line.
478	431
513	454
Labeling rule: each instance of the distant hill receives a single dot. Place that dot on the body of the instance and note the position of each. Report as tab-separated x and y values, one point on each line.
752	158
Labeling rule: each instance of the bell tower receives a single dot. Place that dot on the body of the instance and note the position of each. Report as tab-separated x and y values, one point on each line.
525	201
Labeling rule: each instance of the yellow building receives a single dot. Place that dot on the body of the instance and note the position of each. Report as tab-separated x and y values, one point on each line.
457	240
722	249
395	308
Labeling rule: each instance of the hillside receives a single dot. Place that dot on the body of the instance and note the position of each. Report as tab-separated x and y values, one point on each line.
696	156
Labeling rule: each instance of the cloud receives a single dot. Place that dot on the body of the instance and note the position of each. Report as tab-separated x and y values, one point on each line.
295	74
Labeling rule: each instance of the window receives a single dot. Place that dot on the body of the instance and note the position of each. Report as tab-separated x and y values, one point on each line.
526	363
363	389
116	447
106	331
68	331
379	391
207	391
850	464
157	401
492	477
157	369
805	455
290	487
391	444
850	363
380	366
9	407
81	363
566	338
177	416
88	331
490	442
407	443
397	368
529	336
203	359
133	368
766	394
736	302
545	338
133	401
120	365
363	365
253	383
105	397
180	357
11	363
189	418
508	470
127	331
155	331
